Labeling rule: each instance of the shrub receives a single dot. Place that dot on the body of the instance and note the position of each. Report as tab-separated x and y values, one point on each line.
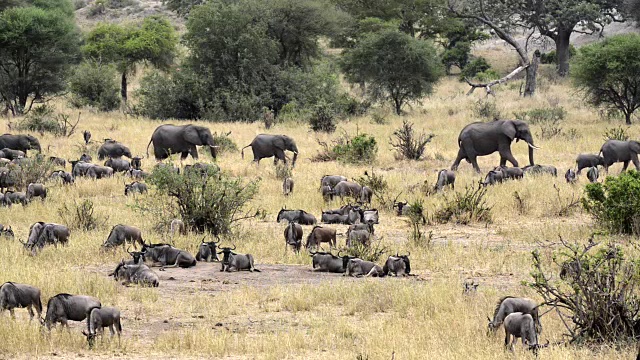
348	105
118	4
618	133
323	118
542	115
474	67
417	220
359	149
192	194
283	170
487	109
371	252
79	4
80	216
550	130
595	291
94	85
97	8
615	205
44	119
465	207
408	144
176	95
224	142
551	58
33	170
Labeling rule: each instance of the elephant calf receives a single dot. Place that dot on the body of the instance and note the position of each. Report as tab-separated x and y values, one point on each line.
36	190
588	160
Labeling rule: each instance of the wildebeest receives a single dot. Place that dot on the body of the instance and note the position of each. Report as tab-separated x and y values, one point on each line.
137	257
135	187
571	176
365	195
137	174
370	216
327	262
139	274
319	235
236	262
494	177
177	226
14	295
66	177
299	216
359	236
207	251
540	170
118	164
347	188
36	190
366	226
287	186
57	161
329	218
327	193
593	174
293	236
12	154
120	234
64	307
402	208
80	168
99	318
41	234
445	178
12	197
6	231
136	162
86	135
510	304
397	264
513	173
519	325
331	180
359	267
99	172
167	256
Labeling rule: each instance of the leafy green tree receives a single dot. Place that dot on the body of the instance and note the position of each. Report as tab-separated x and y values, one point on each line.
182	7
395	67
609	73
37	48
633	9
153	42
95	85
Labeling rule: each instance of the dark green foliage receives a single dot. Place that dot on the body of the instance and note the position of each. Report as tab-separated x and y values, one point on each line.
595	292
192	196
372	252
360	149
38	45
552	58
224	142
417	220
175	95
487	109
35	169
465	207
323	118
182	7
476	66
94	84
615	205
617	133
608	73
44	119
395	67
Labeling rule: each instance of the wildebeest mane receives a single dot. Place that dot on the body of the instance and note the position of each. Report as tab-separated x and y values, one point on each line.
495	312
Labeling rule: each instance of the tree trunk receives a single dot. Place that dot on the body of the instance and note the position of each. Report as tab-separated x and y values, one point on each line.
398	105
627	116
123	87
531	73
562	51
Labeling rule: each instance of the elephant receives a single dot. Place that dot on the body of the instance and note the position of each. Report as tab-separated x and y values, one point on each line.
265	145
171	139
19	142
614	151
113	149
480	139
584	161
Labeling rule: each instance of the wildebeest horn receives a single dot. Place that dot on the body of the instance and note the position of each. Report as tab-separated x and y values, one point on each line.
488	318
311	253
234	247
203	239
408	253
220	252
545	345
128	247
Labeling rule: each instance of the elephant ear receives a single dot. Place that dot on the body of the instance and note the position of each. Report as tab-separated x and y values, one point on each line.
279	142
509	129
192	136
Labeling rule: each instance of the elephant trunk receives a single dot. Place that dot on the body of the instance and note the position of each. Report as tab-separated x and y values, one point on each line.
531	155
295	157
213	151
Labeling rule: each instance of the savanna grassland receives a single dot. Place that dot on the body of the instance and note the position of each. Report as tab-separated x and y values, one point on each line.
286	311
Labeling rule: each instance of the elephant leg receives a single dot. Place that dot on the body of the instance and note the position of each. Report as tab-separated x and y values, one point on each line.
625	166
279	155
635	161
505	155
456	163
194	152
183	155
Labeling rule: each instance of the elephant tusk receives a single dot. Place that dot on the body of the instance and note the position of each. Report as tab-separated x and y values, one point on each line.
214	146
533	146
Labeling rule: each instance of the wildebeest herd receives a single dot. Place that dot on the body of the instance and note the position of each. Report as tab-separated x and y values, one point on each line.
519	316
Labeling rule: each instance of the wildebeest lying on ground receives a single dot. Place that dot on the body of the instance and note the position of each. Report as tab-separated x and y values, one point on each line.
519	325
326	262
99	318
14	295
166	256
64	307
139	274
398	264
236	262
510	304
207	251
6	232
299	216
357	267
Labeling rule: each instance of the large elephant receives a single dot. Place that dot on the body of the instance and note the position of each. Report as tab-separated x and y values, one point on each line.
19	142
265	145
170	139
480	139
113	149
614	151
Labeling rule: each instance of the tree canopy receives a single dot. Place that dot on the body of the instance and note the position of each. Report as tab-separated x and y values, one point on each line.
154	41
37	48
609	73
395	67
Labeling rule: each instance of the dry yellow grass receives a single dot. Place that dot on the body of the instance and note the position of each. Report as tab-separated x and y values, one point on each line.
426	318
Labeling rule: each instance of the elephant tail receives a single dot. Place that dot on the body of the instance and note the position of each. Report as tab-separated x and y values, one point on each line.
242	151
148	146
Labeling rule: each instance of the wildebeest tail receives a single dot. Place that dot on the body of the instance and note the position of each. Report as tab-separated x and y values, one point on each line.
256	270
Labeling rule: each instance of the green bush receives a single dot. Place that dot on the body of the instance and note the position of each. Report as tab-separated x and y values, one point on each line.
615	205
551	58
551	115
618	133
172	96
473	68
94	85
465	207
44	119
360	149
487	109
323	118
224	142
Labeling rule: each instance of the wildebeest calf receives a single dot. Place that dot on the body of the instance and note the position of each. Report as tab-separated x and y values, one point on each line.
139	274
207	251
99	318
519	325
398	264
135	187
236	262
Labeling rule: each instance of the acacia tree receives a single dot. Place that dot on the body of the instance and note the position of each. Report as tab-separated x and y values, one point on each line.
609	73
396	66
37	48
154	42
558	19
